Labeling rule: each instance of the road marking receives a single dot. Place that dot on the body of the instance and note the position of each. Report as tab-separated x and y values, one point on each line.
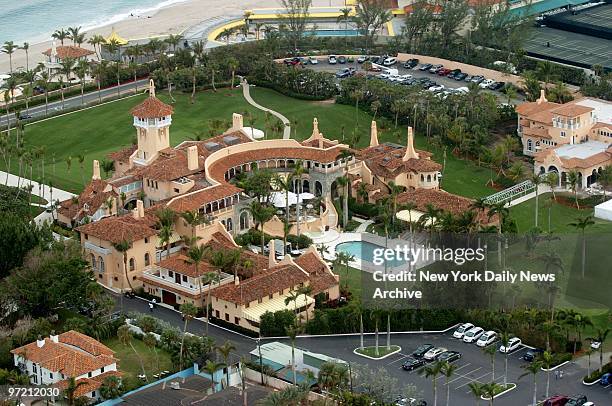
399	359
465	376
473	380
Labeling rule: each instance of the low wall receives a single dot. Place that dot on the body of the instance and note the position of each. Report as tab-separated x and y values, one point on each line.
276	383
469	69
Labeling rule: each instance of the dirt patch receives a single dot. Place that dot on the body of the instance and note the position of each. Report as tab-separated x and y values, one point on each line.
328	101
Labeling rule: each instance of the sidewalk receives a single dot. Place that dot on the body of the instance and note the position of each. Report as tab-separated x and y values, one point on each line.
247	95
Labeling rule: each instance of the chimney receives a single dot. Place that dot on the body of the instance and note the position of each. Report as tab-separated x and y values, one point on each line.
542	98
151	88
54	337
315	128
237	122
410	152
40	342
138	212
192	158
321	143
237	280
96	170
271	254
373	135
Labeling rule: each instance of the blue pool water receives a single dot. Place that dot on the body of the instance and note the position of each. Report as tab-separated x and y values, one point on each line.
335	33
365	251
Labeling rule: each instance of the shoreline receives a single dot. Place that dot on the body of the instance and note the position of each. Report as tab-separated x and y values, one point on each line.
173	18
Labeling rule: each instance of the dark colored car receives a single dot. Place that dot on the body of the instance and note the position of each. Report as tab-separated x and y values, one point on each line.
532	354
606	379
342	59
460	76
410	63
556	400
425	66
375	59
419	352
497	86
413	363
577	400
429	84
449	356
453	72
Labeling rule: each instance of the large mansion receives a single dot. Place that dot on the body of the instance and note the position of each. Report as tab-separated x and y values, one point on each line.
195	179
564	137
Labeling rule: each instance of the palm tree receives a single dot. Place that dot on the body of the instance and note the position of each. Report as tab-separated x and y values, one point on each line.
552	180
165	224
9	48
74	33
536	180
189	311
174	40
343	182
225	351
124	334
112	47
573	179
547	360
433	371
60	35
305	290
489	390
602	334
151	342
233	64
298	172
26	47
111	387
211	367
209	278
582	223
533	369
66	68
123	247
71	389
292	332
346	11
196	255
96	41
261	215
491	351
605	179
292	296
284	184
477	390
81	70
505	340
448	371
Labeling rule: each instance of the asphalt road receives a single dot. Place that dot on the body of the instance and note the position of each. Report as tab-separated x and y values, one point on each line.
38	112
473	366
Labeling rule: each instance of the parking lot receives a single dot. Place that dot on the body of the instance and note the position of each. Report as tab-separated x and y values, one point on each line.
473	366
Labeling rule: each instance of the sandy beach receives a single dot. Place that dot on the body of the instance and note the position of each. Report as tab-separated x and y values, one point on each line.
171	20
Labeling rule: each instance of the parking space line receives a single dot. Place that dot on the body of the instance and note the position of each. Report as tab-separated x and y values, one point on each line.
473	380
465	376
399	359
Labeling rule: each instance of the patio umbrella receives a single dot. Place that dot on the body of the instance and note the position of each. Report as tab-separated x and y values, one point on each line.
306	196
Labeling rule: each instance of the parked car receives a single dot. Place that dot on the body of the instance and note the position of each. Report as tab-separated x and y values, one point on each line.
313	60
434	353
487	338
394	78
462	329
449	356
532	354
435	88
460	76
350	59
345	73
435	68
342	59
576	400
408	82
477	78
557	400
390	61
462	90
375	59
363	58
595	344
428	84
453	72
443	71
513	344
332	60
468	78
410	63
413	363
486	83
402	401
375	68
496	85
606	379
425	66
420	352
292	61
473	334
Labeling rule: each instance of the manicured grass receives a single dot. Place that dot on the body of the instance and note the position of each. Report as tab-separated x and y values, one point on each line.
353	279
382	351
129	363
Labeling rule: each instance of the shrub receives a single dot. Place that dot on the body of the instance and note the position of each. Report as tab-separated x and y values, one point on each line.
560	358
275	324
596	374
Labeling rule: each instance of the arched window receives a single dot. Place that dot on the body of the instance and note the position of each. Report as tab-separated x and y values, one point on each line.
147	259
244	220
422	178
100	264
529	145
93	262
229	225
428	178
132	264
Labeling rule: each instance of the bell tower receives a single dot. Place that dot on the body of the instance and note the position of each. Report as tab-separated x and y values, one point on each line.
152	119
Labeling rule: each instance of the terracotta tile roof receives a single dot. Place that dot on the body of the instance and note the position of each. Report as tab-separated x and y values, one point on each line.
443	201
70	355
529	108
87	385
571	110
275	280
152	107
602	158
171	164
95	195
536	132
386	160
165	286
123	155
69	51
194	201
320	276
180	264
599	124
544	117
117	229
123	180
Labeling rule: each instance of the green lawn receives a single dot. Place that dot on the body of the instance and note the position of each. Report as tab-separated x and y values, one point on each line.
129	362
353	279
382	351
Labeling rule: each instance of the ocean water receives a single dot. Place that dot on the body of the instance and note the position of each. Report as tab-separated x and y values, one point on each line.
35	20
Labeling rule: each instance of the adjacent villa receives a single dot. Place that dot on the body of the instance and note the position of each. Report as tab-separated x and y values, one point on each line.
55	359
565	137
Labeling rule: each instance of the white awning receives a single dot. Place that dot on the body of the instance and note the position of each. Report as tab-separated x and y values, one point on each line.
254	313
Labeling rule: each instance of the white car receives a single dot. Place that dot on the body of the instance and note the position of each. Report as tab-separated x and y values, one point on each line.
434	353
389	61
384	75
462	329
513	344
487	338
313	60
595	345
436	88
486	83
394	78
462	89
473	334
405	77
332	60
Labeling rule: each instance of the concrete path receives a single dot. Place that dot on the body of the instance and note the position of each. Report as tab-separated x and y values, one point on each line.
247	95
363	226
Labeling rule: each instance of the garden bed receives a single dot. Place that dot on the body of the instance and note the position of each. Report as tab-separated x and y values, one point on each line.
501	390
383	351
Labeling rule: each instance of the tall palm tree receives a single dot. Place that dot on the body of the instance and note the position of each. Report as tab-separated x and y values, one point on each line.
66	69
60	35
505	340
74	34
71	388
346	12
448	370
284	184
9	48
81	71
433	371
96	41
536	180
489	390
195	255
293	331
26	47
533	369
343	182
209	278
123	247
491	351
261	215
225	351
165	224
151	342
547	361
113	47
477	390
124	334
189	311
573	179
232	64
211	368
581	224
602	334
552	180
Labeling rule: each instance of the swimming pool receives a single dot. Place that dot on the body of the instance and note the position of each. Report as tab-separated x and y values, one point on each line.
335	33
364	251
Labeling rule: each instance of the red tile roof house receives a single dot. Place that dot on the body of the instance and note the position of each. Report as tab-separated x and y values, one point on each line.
55	359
